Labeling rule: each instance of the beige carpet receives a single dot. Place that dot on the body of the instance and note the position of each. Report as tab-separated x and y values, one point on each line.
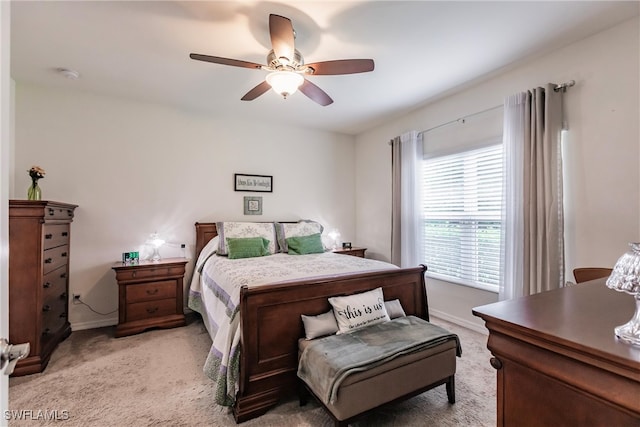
155	379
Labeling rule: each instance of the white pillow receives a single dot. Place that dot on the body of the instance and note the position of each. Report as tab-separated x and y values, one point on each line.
209	249
359	310
226	230
299	229
394	309
320	325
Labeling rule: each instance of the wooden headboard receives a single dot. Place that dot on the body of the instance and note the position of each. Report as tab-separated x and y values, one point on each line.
205	231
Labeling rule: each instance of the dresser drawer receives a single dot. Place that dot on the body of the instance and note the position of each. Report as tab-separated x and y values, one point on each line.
137	274
55	286
58	213
149	309
55	282
54	258
54	317
55	235
151	291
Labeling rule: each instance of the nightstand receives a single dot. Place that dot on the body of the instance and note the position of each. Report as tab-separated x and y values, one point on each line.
359	252
150	295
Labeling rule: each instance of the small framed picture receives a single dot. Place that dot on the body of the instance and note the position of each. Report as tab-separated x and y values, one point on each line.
257	183
252	205
346	245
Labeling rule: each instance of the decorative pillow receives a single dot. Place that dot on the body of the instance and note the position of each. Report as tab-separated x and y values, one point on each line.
301	228
355	311
320	325
247	247
245	229
303	245
209	249
394	309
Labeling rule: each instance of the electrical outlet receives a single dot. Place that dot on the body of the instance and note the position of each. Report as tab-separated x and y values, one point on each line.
76	298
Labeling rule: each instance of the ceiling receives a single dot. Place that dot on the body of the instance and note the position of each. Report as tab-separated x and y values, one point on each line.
422	49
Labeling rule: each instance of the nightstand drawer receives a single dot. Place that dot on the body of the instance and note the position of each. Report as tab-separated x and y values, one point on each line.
146	310
151	291
137	274
54	258
55	235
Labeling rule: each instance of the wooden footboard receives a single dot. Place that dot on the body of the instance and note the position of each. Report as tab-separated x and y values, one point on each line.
271	325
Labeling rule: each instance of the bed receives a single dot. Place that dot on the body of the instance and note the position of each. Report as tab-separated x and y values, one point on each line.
268	322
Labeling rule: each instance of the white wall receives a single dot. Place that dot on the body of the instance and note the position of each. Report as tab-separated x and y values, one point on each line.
136	168
602	184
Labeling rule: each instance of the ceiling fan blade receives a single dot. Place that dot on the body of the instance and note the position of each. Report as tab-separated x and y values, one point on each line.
315	93
256	91
282	40
342	66
224	61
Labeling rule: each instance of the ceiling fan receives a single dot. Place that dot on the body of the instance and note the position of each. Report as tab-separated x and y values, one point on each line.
287	68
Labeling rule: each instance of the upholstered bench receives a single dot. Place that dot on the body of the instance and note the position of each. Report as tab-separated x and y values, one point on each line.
396	377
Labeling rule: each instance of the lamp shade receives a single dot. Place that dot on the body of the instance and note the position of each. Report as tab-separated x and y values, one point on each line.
625	277
285	82
155	242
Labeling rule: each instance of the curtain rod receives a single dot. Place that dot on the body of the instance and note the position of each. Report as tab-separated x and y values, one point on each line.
461	119
562	87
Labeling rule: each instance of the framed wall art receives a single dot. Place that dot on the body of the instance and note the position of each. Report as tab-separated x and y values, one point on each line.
252	205
258	183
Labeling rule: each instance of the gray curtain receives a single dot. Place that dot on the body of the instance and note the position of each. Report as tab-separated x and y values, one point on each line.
396	200
543	266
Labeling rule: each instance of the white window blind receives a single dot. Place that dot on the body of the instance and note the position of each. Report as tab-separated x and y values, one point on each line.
462	200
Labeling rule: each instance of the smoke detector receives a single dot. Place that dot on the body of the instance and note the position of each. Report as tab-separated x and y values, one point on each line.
70	74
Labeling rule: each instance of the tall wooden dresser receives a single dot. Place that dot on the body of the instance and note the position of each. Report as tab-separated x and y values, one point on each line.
39	236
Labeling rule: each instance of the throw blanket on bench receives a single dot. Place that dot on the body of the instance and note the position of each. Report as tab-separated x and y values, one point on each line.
326	362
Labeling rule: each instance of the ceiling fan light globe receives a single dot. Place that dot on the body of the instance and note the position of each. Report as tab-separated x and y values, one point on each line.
285	83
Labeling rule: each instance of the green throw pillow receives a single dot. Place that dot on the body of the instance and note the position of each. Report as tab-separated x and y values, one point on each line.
303	245
247	247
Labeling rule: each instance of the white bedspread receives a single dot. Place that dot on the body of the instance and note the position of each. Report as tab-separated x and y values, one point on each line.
215	294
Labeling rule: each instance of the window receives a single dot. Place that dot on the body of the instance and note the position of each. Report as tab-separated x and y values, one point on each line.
461	210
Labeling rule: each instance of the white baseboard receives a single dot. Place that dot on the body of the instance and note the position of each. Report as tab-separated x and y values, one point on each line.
94	324
458	321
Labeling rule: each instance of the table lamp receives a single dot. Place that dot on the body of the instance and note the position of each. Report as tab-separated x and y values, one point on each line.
155	242
625	277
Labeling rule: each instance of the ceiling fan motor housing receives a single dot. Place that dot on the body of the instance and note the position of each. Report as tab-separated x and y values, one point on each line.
276	63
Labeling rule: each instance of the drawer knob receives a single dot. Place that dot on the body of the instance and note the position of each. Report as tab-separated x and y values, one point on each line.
46	308
495	363
63	254
65	234
63	275
152	310
48	261
133	274
46	332
69	212
48	236
52	211
63	295
152	291
63	315
46	285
